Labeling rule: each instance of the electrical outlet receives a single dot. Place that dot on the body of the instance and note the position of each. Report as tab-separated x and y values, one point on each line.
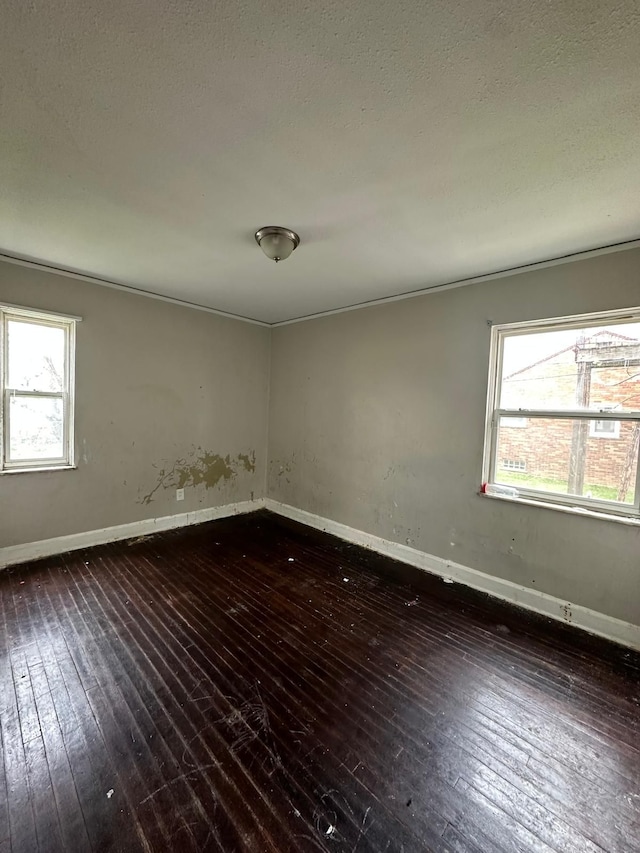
179	494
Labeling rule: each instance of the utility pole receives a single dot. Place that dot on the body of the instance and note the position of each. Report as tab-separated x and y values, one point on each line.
580	427
590	353
629	467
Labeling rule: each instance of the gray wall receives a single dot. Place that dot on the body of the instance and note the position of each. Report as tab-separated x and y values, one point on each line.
377	421
159	388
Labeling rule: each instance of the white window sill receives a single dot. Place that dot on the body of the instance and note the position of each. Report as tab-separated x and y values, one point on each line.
631	520
39	470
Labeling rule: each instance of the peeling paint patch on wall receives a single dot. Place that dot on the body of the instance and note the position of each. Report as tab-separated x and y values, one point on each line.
248	461
201	467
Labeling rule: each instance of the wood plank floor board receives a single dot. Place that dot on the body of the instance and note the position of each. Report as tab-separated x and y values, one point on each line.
165	688
98	712
56	770
599	710
4	802
633	719
471	644
44	803
544	645
254	685
128	728
21	827
201	645
585	805
38	722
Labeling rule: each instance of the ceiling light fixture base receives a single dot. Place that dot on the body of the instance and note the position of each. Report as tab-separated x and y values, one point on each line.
276	242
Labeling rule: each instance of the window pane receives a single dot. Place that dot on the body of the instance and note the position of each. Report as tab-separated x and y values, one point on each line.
35	428
36	356
592	368
563	455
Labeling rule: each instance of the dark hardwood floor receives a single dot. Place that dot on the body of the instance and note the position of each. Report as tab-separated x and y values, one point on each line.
253	685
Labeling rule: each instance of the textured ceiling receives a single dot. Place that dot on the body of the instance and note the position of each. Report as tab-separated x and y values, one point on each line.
409	143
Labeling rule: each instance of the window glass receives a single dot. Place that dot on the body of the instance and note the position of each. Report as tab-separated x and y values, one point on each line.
36	355
36	428
591	368
558	455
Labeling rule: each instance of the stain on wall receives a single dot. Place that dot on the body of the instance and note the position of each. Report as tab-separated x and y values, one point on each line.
281	469
200	467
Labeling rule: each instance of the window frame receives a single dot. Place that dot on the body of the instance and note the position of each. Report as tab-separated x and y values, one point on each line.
490	462
14	313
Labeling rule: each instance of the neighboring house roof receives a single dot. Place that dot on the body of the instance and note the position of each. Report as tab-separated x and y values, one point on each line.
600	334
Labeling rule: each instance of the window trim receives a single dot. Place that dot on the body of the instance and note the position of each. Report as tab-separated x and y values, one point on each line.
553	500
15	313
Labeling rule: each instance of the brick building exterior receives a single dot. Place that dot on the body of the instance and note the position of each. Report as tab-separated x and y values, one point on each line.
602	371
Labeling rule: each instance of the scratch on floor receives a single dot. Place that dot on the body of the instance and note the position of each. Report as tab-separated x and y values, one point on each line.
200	769
247	722
363	831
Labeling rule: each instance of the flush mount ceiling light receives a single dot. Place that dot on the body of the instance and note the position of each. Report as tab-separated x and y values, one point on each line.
277	243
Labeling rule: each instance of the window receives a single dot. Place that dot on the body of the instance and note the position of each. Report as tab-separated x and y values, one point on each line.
604	429
514	465
36	377
572	383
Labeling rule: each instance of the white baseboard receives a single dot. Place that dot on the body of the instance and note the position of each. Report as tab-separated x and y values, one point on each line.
605	626
13	554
